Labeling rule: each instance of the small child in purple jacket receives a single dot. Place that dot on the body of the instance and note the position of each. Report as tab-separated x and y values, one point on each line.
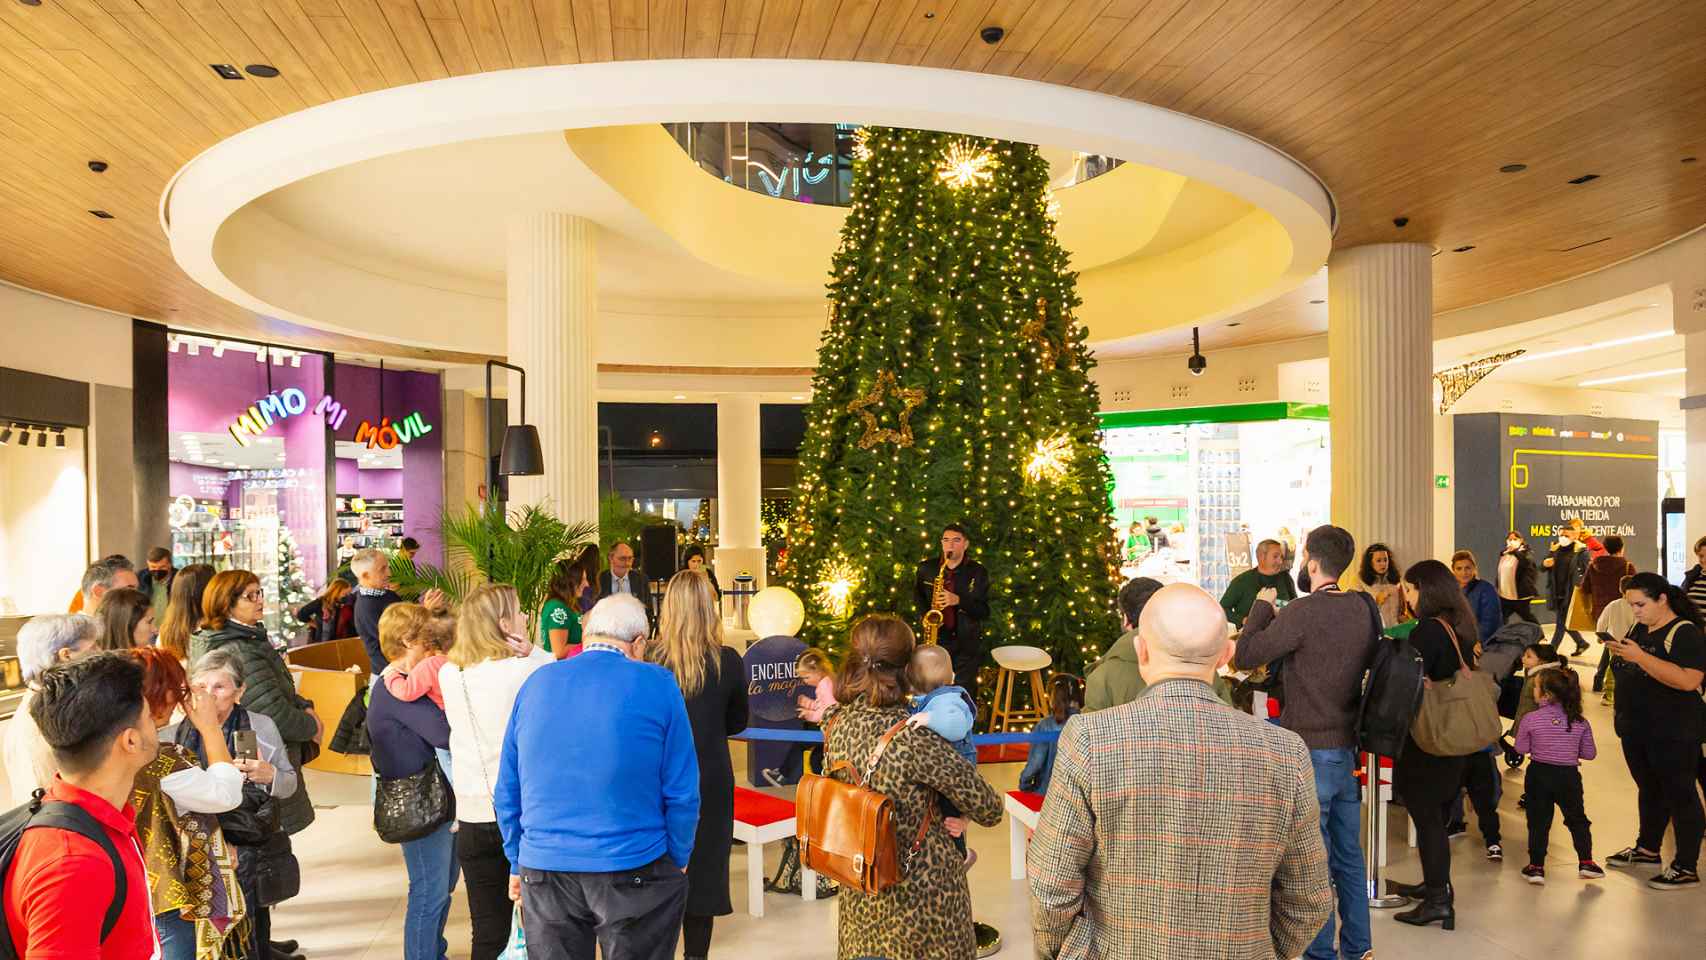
1557	738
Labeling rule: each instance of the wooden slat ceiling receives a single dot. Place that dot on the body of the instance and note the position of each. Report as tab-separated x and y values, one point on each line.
1405	107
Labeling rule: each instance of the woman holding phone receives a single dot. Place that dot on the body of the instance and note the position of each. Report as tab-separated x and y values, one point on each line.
259	753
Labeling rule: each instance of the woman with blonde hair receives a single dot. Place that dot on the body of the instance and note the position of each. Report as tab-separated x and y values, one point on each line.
488	663
183	609
690	645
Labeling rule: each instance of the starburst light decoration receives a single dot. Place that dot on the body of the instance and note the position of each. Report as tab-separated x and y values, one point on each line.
1049	459
862	144
965	165
835	590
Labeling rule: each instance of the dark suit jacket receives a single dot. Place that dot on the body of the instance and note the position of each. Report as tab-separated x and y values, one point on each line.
970	582
636	579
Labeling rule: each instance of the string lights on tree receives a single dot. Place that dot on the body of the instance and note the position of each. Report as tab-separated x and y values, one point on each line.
949	365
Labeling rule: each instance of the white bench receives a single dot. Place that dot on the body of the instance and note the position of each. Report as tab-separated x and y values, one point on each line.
760	819
1023	810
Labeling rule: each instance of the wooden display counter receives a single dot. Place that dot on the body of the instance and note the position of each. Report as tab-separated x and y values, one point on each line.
323	675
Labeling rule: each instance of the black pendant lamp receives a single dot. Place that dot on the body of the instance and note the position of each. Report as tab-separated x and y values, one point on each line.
521	456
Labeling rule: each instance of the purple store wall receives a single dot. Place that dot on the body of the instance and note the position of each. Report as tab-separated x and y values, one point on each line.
206	393
371	484
421	485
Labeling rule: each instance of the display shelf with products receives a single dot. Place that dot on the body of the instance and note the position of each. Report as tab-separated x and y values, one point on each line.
368	523
1218	504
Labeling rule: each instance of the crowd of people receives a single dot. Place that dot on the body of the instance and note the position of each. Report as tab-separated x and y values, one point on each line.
578	777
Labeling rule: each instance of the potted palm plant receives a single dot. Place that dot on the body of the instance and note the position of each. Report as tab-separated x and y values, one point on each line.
484	544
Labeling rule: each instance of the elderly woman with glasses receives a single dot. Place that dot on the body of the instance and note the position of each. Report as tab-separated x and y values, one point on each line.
232	608
43	642
270	778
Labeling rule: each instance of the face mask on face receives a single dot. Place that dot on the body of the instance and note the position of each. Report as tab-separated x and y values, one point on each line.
1303	580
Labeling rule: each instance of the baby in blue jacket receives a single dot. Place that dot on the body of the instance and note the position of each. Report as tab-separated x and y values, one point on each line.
944	709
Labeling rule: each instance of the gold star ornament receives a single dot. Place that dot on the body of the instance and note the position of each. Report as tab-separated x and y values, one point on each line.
874	433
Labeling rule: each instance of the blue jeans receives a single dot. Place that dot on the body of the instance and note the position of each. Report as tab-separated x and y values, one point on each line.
177	936
431	861
1340	796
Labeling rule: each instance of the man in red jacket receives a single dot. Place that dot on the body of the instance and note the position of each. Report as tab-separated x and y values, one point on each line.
61	884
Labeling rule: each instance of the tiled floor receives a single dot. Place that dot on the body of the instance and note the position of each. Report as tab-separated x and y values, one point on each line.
353	888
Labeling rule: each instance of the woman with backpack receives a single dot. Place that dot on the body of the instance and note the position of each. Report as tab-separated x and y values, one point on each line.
927	914
1445	636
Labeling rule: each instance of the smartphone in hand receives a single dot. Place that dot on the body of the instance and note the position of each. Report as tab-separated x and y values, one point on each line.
244	746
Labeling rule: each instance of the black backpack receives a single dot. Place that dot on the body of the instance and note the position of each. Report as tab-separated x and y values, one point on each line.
57	815
1392	695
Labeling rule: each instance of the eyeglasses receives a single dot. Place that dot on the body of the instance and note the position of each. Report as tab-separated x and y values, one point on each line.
254	596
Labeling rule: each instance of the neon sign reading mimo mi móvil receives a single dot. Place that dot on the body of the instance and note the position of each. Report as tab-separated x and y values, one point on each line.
290	402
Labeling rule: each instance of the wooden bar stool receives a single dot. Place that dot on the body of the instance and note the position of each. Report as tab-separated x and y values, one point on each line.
1013	661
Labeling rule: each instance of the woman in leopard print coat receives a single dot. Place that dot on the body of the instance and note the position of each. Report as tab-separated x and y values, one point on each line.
927	915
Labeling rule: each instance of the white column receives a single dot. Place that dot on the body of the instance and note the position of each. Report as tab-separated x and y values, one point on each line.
1694	429
740	543
552	307
1380	360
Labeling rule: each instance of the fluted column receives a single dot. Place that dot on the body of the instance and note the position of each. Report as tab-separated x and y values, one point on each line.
552	306
740	543
1380	358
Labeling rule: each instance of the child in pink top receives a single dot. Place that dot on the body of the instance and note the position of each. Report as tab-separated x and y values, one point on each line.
813	667
415	674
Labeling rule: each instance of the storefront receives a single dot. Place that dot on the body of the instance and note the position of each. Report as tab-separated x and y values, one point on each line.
285	462
1533	473
44	492
1195	489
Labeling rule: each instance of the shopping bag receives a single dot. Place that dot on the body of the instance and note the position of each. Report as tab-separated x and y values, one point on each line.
1459	716
517	949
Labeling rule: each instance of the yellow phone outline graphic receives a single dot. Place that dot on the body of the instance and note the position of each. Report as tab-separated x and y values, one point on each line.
1521	469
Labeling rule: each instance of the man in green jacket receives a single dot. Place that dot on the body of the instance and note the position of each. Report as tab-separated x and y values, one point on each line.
1115	680
1270	571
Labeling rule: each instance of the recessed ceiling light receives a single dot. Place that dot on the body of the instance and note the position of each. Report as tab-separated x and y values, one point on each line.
30	3
1689	159
264	70
98	166
799	397
226	71
1650	374
1463	249
1584	178
1513	168
681	396
1235	323
100	214
1317	301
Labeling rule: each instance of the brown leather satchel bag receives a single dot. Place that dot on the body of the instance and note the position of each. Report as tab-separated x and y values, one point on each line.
846	830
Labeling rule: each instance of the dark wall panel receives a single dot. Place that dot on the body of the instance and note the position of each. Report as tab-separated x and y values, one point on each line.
149	421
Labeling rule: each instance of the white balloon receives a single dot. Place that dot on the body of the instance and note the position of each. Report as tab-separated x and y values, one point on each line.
776	612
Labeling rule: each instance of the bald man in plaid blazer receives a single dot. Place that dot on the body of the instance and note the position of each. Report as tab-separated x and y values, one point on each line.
1177	828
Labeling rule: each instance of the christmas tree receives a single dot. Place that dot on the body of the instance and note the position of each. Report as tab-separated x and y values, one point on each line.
288	584
953	385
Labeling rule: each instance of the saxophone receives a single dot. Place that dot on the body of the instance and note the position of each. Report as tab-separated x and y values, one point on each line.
933	617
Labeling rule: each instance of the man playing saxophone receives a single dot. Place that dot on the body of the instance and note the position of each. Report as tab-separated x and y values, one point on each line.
961	598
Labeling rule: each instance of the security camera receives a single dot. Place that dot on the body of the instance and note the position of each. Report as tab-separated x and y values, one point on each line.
99	166
992	35
1400	222
1197	363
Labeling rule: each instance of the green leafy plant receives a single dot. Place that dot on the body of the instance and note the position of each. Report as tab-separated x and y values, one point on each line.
484	544
618	520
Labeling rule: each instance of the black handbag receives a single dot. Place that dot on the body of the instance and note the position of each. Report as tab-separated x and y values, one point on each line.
254	821
411	807
278	876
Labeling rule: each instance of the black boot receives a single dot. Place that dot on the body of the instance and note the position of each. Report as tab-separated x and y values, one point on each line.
1413	891
1436	906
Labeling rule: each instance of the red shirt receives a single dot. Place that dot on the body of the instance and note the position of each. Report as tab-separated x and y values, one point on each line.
61	884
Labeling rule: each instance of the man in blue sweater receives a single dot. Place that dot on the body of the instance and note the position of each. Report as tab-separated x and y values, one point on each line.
600	823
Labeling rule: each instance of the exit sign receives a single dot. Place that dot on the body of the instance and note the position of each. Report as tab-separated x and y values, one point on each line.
1442	481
